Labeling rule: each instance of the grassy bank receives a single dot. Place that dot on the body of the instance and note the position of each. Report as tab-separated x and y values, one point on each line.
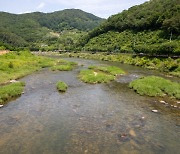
61	86
10	91
169	65
63	65
156	86
15	65
100	74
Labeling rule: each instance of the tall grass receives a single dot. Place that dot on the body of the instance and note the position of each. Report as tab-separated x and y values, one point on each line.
156	86
10	91
61	86
63	65
100	74
168	65
18	64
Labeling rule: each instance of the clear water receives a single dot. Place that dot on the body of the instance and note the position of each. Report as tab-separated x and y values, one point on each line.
96	119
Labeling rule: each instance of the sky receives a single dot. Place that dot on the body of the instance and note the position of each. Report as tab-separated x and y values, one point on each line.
101	8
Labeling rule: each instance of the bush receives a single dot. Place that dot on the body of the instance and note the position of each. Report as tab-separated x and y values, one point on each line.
10	91
156	86
61	86
100	74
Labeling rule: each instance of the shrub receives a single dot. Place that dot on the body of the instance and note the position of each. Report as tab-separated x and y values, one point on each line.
156	86
10	91
61	86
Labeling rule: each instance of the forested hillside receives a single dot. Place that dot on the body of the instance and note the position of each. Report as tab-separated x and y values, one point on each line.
152	27
32	29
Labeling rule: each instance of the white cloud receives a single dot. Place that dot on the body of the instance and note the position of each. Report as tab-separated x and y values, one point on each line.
41	5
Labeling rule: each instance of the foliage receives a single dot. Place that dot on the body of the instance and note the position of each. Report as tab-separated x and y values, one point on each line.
63	65
156	86
61	86
162	64
18	64
113	70
89	76
10	91
32	30
100	74
152	28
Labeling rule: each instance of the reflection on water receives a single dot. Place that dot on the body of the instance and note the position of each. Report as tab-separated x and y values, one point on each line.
105	118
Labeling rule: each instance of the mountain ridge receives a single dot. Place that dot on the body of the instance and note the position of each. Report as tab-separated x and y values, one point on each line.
31	27
151	27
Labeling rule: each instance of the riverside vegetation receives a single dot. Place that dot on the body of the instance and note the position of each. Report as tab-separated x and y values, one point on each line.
8	92
100	74
168	65
15	65
63	65
156	86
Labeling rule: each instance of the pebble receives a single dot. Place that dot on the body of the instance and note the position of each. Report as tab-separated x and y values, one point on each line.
175	106
143	118
13	81
178	102
1	106
163	102
132	133
155	111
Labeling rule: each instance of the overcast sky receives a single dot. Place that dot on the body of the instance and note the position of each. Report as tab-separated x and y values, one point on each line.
101	8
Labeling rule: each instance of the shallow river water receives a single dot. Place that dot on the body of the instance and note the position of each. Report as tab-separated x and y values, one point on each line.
95	119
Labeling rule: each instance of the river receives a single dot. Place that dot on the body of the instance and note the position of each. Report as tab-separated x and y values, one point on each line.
95	119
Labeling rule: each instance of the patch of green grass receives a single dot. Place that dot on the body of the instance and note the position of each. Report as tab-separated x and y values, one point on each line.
11	91
113	70
89	76
61	86
156	86
63	65
15	65
62	68
100	74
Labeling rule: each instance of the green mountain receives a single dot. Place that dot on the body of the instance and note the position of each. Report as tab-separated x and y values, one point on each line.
28	29
152	28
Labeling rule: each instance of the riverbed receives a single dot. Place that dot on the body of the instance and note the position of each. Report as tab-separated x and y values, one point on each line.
96	119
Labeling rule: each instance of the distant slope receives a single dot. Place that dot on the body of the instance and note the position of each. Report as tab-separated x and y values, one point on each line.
152	27
25	29
66	19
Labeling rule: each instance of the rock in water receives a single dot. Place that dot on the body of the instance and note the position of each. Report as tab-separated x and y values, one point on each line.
155	111
163	102
1	106
132	133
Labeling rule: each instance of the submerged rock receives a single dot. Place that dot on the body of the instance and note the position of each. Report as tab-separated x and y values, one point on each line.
155	111
132	133
163	102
